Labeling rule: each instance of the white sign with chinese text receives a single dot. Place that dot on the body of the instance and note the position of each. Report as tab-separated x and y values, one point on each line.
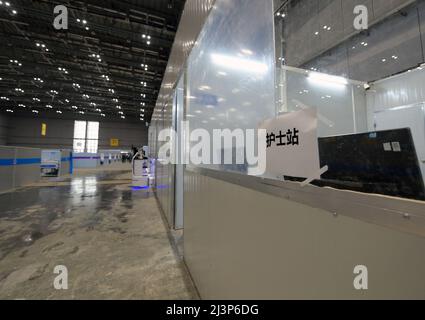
292	145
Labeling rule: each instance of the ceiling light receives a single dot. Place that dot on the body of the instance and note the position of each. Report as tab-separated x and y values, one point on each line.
63	70
326	78
16	62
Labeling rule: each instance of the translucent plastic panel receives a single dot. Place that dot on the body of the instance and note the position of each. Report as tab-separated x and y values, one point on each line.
80	129
92	146
79	145
320	35
231	69
93	130
341	107
358	82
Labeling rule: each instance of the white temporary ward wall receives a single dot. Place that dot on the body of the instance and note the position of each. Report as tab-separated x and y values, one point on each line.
244	244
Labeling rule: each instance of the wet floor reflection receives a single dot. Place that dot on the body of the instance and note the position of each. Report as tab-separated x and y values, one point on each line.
30	213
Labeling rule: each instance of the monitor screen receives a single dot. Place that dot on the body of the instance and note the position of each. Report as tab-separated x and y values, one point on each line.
383	162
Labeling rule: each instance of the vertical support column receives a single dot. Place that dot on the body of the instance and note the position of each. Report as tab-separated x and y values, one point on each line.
15	161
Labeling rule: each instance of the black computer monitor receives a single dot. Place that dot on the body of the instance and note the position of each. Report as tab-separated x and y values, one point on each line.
383	162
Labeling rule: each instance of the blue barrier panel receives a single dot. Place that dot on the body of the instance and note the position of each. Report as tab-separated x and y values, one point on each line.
28	161
7	162
19	162
71	163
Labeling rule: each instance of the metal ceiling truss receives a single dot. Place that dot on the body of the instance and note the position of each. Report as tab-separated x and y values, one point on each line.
113	48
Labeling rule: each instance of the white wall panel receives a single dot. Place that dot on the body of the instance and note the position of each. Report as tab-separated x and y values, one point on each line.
405	89
194	15
26	174
244	244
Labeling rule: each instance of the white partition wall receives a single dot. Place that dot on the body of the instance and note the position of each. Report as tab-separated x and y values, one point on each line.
86	160
66	162
244	244
18	167
191	24
180	167
251	237
7	158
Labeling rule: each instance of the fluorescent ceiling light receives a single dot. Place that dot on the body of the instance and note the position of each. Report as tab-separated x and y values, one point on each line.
326	78
240	64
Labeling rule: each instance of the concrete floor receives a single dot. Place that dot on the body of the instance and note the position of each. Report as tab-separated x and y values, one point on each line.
111	238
